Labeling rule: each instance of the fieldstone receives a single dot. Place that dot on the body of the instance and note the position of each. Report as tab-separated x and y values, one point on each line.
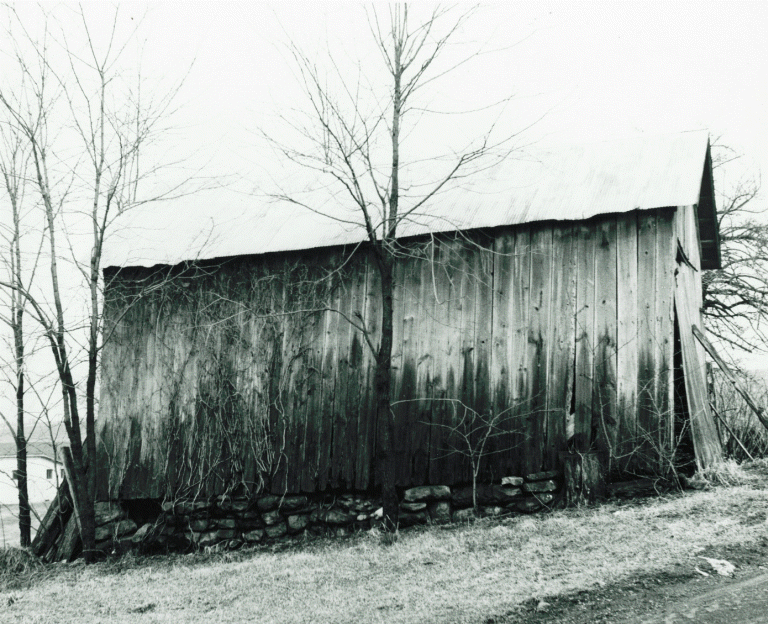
227	503
341	531
361	518
545	498
508	494
250	515
336	516
115	529
209	538
122	545
276	530
427	493
254	536
440	512
268	502
241	505
191	507
297	522
411	519
272	518
250	524
167	530
293	503
225	523
540	486
487	494
141	534
173	520
513	481
198	525
348	500
412	506
492	511
464	515
529	505
107	512
543	476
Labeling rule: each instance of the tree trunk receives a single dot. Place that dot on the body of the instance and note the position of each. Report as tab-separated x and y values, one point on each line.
385	418
25	517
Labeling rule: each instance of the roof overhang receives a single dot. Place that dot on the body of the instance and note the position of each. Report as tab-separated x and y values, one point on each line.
709	229
563	184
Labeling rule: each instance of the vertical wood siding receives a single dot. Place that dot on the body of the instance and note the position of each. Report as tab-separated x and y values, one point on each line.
254	373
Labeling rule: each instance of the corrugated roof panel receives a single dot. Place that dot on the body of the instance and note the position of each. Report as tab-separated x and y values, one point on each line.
573	183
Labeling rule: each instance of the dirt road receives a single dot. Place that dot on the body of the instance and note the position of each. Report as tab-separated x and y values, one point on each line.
668	598
740	601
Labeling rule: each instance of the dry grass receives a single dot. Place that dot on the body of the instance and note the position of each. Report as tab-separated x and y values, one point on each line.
740	418
452	574
19	568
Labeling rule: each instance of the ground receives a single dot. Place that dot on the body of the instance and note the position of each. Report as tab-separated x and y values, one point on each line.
665	598
626	561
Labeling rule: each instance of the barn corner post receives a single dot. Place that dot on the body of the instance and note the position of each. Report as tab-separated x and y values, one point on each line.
690	257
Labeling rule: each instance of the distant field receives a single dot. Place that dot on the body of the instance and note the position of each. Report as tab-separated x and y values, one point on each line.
9	523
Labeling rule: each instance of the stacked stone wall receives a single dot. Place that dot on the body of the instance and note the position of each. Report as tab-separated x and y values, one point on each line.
232	522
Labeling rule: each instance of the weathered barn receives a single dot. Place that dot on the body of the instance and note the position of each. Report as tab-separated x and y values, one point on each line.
552	301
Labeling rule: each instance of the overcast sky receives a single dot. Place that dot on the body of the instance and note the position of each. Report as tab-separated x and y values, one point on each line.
582	71
596	69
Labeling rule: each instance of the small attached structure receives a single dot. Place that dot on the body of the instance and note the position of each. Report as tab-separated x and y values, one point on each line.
556	293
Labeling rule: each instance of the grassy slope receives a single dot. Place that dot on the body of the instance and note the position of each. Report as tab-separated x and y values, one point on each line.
453	574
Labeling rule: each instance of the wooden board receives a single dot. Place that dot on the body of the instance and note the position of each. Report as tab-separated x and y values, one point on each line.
606	335
626	341
482	405
538	339
666	248
501	348
367	421
521	373
706	442
647	410
585	341
560	379
446	348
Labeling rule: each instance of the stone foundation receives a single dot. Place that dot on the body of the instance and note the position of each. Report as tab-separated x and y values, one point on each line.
229	523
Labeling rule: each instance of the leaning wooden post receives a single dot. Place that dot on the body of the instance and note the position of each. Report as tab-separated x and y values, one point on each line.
69	471
729	374
583	477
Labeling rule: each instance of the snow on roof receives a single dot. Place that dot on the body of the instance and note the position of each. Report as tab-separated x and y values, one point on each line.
572	183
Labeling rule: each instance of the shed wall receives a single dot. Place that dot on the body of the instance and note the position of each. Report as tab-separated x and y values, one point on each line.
254	371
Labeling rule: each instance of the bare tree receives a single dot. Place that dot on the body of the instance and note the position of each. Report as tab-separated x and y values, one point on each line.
736	295
13	164
84	124
353	136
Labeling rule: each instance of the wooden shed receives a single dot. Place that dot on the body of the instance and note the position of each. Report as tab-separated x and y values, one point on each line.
552	301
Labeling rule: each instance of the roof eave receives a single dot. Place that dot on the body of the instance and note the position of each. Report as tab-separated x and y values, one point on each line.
709	228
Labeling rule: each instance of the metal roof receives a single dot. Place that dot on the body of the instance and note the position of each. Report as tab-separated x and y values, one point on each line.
572	183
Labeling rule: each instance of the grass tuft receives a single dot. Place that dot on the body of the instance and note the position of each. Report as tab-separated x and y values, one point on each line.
728	472
18	567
